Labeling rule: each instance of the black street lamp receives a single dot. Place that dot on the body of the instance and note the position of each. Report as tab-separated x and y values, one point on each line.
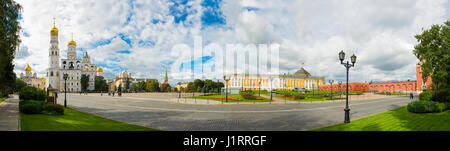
331	94
218	88
313	86
226	91
259	88
65	76
242	84
347	65
271	90
340	91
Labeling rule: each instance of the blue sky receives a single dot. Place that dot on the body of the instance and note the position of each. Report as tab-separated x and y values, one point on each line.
138	35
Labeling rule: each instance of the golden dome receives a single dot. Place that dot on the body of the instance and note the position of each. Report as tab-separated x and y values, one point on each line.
99	69
54	30
28	68
72	42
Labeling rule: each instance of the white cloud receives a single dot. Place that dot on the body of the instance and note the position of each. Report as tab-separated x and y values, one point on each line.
380	33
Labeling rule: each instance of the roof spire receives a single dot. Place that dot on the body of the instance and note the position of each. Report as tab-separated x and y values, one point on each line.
166	79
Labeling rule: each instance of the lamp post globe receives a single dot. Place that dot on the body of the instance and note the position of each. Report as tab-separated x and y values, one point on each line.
341	55
353	59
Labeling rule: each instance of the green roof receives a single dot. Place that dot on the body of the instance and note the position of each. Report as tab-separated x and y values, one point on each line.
302	71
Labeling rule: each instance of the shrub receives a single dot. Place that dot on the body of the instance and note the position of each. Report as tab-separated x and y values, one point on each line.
54	109
447	104
440	107
287	94
422	107
426	95
442	95
30	106
300	96
247	92
248	96
32	93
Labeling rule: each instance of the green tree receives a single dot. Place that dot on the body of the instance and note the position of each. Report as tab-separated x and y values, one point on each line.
20	84
147	85
141	85
198	83
134	88
100	84
127	84
9	42
120	88
220	85
190	87
165	87
168	88
154	86
84	82
433	50
209	85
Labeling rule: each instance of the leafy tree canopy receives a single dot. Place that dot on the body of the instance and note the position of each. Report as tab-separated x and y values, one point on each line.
9	42
433	50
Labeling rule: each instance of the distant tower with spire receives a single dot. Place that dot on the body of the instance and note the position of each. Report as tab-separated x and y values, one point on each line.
166	79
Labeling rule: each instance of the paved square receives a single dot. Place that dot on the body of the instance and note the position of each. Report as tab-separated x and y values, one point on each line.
158	112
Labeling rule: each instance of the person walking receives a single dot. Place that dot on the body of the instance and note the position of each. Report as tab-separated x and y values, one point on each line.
411	96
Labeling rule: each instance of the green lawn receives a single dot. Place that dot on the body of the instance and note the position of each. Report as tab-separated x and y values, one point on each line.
396	120
310	98
2	99
74	120
233	96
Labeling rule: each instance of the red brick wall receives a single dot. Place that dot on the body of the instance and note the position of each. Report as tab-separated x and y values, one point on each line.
394	86
386	86
352	86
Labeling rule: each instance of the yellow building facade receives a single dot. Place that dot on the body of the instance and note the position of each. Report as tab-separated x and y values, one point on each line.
300	79
31	78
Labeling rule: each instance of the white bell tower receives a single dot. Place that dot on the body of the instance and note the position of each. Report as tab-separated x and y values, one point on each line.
53	59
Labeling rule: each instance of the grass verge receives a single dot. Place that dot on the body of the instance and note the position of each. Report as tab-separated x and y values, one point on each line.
232	96
2	99
396	120
309	98
74	120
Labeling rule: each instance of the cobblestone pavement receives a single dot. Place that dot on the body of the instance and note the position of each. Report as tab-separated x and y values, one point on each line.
9	114
158	112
